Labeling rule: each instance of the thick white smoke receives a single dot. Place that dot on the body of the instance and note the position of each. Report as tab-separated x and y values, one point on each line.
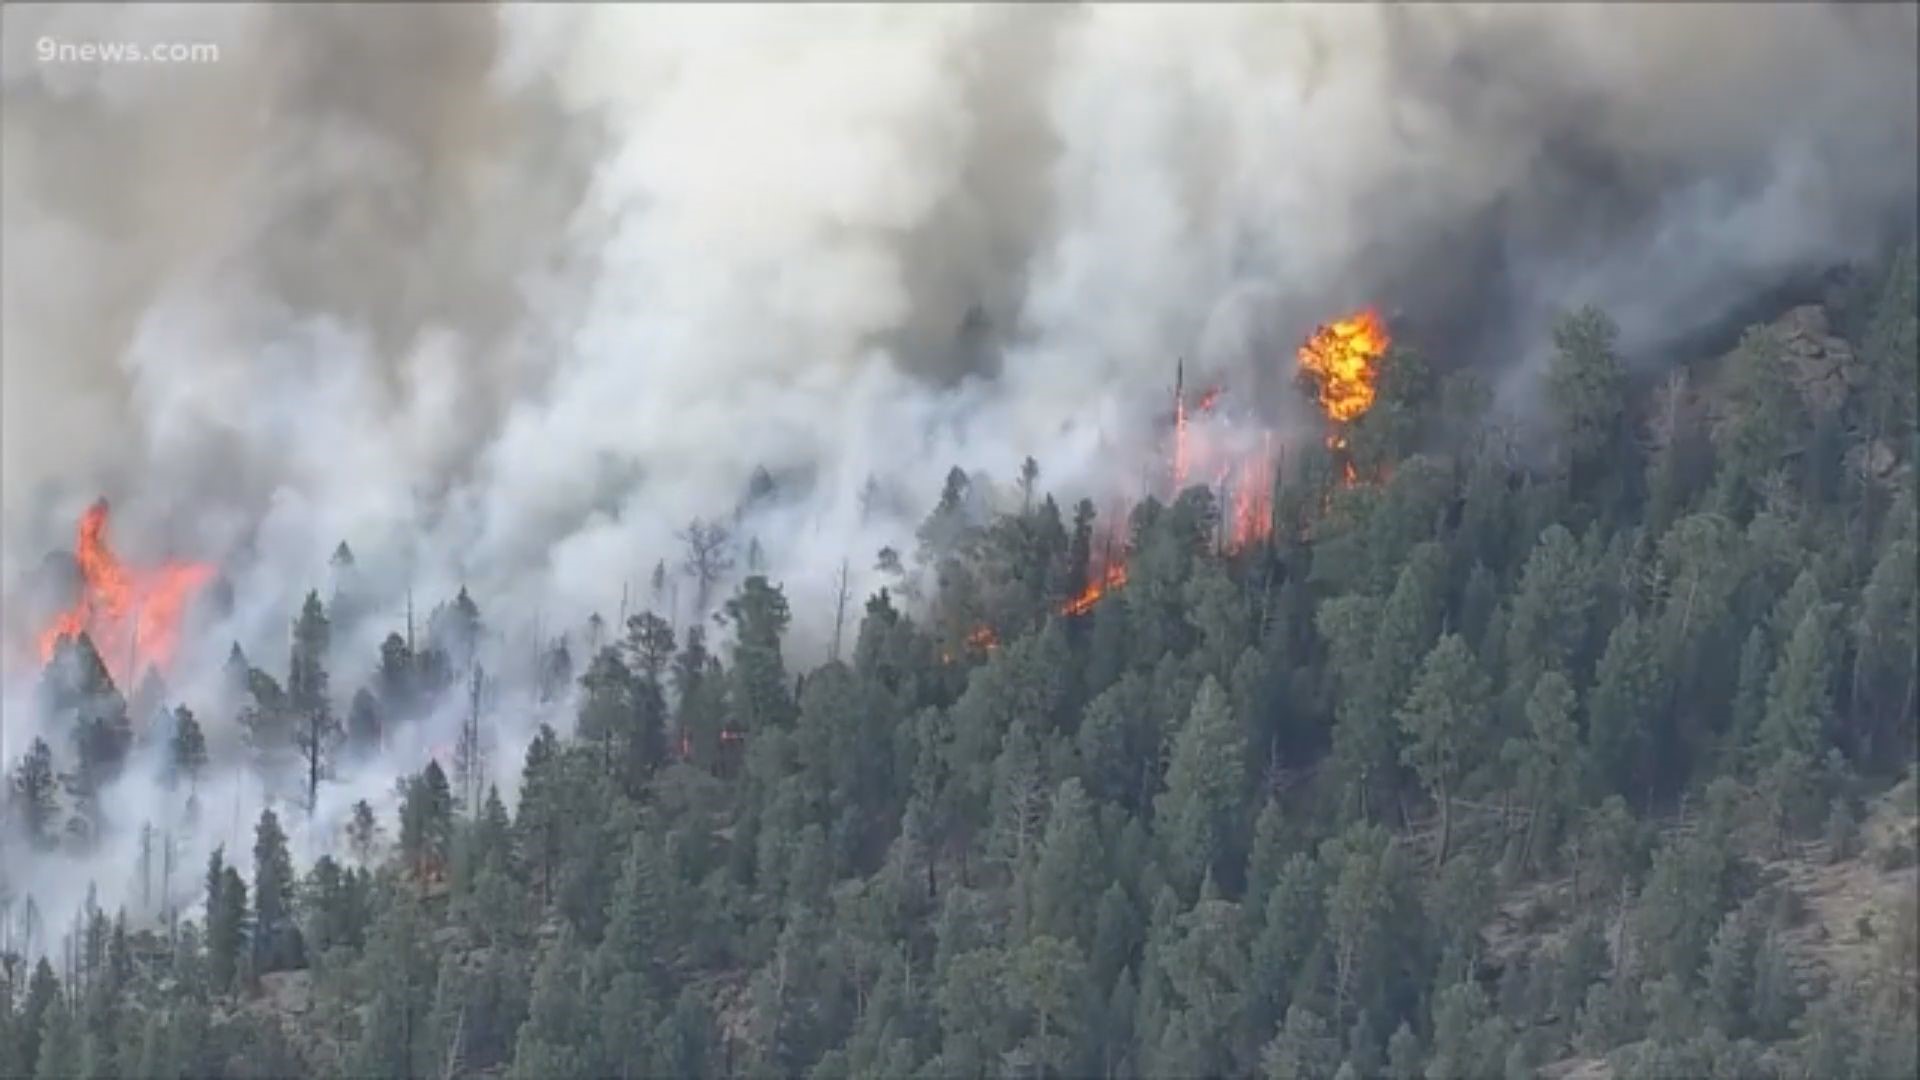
506	296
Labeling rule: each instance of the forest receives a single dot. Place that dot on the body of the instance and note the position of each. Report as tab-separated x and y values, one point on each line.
1589	755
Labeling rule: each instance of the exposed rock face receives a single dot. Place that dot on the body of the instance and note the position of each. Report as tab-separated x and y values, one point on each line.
1827	373
287	993
1821	365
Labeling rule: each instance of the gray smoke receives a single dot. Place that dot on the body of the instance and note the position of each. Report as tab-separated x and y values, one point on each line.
506	296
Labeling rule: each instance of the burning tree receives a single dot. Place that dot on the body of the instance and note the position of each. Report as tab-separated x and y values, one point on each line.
131	615
1341	362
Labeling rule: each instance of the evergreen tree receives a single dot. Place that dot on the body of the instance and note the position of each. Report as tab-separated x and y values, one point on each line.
1547	625
1068	871
1629	686
186	750
363	833
36	799
426	823
365	731
229	928
1444	719
1884	673
316	731
1198	816
276	941
1547	762
396	1039
1799	702
758	693
1304	1049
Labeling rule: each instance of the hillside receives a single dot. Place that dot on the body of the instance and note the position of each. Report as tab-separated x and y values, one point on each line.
1427	761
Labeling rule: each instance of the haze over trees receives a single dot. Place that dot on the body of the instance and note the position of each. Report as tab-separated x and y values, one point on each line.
1469	768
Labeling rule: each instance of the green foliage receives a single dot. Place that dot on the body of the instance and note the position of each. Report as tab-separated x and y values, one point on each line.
1586	387
1303	1049
1199	816
35	803
1184	833
1445	722
277	943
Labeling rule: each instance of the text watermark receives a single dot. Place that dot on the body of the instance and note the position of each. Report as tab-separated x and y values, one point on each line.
52	51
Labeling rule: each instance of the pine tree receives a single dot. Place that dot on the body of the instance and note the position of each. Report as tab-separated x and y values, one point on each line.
538	822
1068	871
276	941
1198	816
758	692
1729	974
365	732
1293	919
36	799
316	731
1303	1050
1884	673
1045	983
396	1038
396	684
228	927
426	823
1586	387
60	1056
1444	719
1547	763
641	922
363	833
1404	1054
187	751
1799	702
1629	686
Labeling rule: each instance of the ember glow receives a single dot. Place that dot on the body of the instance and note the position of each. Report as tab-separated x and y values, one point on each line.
131	615
983	638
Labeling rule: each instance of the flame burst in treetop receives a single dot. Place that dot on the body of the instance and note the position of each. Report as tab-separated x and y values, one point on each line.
132	615
1343	359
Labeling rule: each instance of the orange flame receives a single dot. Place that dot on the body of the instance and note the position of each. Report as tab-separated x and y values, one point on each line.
1113	577
132	616
1343	360
1343	357
1252	519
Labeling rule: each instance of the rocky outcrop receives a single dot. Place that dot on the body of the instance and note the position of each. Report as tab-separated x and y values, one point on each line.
1821	365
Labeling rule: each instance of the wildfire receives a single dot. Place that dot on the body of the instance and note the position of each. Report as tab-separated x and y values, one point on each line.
1252	517
1343	357
1109	579
132	615
1343	360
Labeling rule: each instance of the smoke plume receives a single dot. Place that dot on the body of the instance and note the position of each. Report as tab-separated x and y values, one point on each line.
507	296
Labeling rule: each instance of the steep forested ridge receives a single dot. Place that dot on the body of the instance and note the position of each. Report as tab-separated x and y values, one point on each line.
1487	764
